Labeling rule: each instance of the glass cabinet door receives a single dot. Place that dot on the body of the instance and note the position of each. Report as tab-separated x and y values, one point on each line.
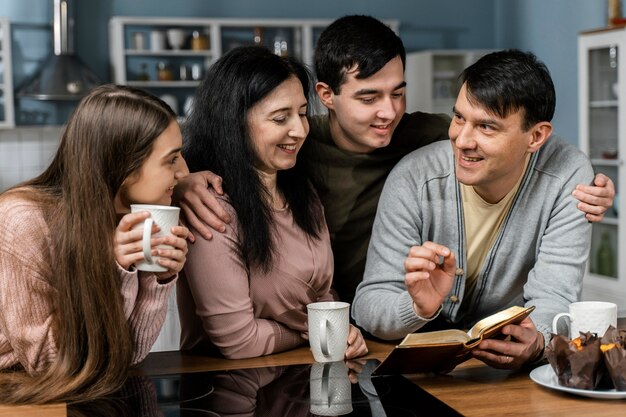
604	150
602	134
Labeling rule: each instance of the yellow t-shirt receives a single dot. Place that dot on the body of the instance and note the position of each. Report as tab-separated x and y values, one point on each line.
482	224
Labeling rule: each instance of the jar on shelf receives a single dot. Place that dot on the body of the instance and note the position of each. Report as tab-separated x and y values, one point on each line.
143	73
280	45
199	41
183	72
257	36
164	72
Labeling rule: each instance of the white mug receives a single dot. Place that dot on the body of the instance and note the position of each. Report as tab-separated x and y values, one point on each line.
165	217
331	390
329	325
588	316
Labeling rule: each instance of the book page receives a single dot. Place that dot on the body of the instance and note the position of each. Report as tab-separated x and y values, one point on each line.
434	338
490	321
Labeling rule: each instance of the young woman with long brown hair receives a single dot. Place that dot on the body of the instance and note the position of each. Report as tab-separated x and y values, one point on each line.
74	312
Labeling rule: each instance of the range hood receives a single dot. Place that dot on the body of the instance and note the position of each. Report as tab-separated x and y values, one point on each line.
63	76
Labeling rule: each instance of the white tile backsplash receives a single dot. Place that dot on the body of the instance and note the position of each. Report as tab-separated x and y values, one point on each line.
25	152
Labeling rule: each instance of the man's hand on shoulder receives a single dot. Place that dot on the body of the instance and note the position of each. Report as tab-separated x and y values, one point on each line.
427	279
201	209
596	199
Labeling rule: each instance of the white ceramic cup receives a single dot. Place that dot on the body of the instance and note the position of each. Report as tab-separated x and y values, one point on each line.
165	217
331	391
588	316
329	325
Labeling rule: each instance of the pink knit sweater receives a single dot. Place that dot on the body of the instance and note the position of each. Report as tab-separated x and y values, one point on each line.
248	314
26	335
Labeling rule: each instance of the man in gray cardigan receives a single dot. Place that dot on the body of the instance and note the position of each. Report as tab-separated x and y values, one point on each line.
487	220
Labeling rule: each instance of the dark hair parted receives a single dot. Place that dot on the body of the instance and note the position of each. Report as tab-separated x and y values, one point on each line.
217	138
361	41
507	81
107	138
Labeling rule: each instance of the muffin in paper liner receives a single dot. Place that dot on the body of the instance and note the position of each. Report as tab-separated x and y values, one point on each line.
614	351
578	362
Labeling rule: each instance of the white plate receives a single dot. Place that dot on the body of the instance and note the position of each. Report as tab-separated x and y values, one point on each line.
545	376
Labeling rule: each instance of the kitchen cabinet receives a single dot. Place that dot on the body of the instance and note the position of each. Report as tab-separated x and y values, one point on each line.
602	136
432	76
143	54
7	115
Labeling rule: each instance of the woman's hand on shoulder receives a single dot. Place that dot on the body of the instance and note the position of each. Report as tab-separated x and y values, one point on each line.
127	243
173	259
356	344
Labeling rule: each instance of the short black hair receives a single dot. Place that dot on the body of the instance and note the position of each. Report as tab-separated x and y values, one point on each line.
506	81
361	41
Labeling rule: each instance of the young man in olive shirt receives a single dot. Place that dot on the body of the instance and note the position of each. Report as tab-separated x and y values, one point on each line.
359	63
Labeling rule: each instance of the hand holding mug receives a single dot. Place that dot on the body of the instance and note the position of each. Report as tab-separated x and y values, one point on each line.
172	258
356	344
127	241
151	239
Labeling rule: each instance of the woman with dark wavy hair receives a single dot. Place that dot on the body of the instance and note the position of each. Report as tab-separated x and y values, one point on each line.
245	291
75	314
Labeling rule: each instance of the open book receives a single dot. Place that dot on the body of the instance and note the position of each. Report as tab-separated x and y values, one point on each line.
444	349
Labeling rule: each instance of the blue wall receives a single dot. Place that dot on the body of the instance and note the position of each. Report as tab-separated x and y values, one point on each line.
548	28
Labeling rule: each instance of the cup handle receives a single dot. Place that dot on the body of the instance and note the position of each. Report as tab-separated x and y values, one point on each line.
325	382
324	336
147	235
555	321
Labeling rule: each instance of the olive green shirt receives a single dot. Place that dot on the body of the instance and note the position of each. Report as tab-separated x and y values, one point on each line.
349	185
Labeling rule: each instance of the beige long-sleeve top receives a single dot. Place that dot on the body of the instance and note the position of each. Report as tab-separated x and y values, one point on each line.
250	313
26	256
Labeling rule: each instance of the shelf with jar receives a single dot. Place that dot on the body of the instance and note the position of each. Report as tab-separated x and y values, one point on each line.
602	136
169	56
7	112
161	52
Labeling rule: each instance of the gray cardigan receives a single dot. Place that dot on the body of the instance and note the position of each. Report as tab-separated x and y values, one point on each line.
538	257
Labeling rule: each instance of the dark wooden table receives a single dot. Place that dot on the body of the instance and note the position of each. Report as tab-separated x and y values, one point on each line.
473	388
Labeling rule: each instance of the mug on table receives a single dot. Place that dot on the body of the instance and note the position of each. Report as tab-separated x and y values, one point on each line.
329	326
588	316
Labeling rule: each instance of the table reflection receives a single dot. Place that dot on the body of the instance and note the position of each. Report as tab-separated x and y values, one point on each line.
294	391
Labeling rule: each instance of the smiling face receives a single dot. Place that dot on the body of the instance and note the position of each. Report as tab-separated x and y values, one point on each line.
278	127
154	182
366	112
490	151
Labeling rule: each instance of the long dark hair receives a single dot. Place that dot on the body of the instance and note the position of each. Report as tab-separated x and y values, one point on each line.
217	138
107	138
